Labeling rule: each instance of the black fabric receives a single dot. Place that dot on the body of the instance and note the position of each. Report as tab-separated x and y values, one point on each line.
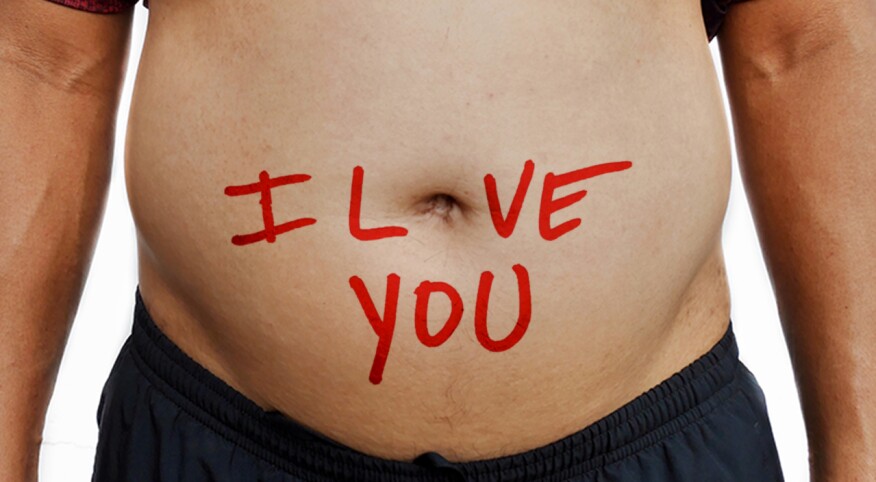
713	14
163	417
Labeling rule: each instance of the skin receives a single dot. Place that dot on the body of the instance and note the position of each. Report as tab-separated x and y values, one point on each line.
428	101
805	113
51	198
473	92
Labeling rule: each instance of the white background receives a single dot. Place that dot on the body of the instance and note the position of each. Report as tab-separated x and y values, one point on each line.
104	320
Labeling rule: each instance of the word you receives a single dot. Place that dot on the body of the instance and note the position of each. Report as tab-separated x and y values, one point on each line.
504	224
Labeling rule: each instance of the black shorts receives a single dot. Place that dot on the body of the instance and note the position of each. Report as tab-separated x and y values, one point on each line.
163	417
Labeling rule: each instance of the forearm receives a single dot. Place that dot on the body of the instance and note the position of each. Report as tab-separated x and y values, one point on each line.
56	122
805	116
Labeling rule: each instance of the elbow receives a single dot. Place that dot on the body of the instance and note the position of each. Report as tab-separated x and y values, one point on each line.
829	38
62	68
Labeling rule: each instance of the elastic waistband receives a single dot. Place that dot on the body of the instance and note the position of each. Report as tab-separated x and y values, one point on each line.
661	411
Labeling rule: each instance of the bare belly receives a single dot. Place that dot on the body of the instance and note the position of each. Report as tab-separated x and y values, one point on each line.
427	99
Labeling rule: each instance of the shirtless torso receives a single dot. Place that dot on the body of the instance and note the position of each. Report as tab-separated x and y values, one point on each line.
498	309
429	99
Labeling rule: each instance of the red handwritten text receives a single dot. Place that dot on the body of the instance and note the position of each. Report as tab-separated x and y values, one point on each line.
264	187
355	211
384	324
384	327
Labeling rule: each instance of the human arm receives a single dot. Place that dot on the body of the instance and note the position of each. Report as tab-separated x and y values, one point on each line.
60	77
801	78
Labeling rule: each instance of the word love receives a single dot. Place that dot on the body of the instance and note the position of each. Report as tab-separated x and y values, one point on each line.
384	324
504	224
